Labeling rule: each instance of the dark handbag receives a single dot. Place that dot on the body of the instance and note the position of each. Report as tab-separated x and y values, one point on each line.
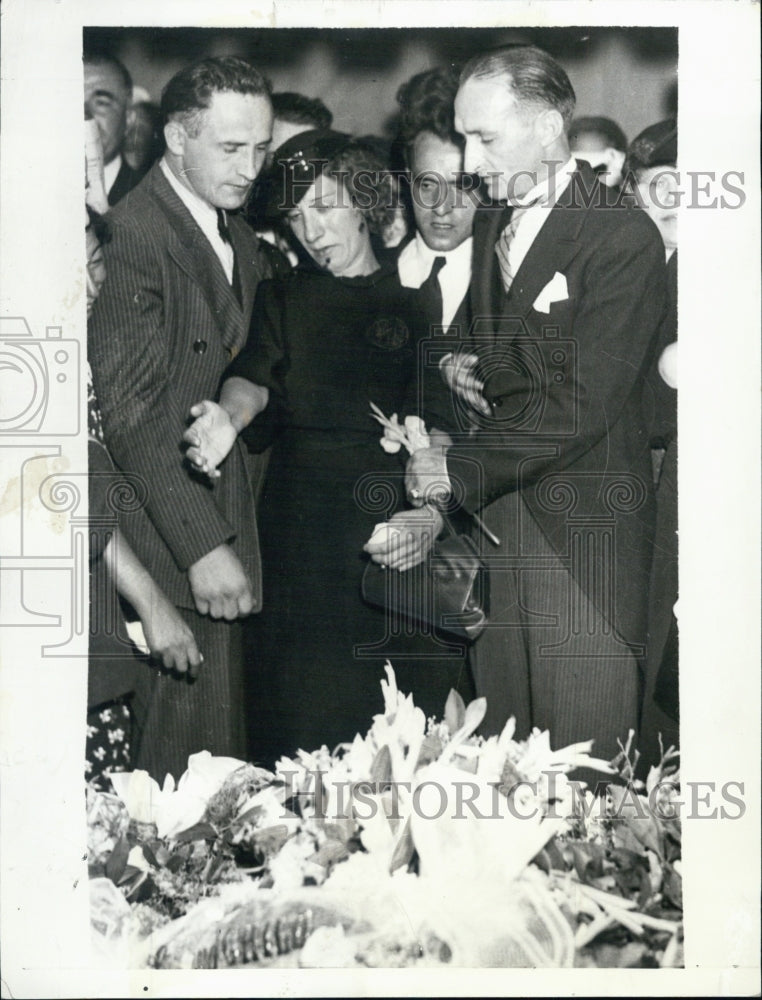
449	591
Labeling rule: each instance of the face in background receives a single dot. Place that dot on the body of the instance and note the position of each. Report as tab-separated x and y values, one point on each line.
659	196
505	144
442	206
221	163
107	100
332	229
605	160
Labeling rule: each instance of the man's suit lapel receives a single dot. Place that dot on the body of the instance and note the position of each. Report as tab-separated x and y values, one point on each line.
251	267
193	253
554	248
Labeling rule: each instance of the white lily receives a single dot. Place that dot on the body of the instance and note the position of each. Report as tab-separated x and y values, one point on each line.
174	808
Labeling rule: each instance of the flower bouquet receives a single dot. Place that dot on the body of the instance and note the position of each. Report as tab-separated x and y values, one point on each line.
418	844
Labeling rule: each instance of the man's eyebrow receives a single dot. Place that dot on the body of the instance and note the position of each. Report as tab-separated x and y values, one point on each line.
101	92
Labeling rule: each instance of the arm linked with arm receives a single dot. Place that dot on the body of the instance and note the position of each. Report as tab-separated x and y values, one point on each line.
142	417
616	318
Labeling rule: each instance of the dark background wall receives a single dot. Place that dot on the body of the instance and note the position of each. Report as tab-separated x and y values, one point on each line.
629	74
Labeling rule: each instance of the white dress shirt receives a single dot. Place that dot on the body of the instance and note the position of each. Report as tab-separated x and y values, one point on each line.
545	194
414	266
206	218
110	171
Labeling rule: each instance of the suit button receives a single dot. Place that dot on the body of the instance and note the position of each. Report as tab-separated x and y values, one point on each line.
199	346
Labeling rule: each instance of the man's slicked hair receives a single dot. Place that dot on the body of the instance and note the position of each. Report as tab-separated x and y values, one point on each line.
190	91
94	58
605	130
534	77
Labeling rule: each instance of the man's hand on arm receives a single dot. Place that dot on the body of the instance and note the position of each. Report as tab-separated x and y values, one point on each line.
407	540
220	585
212	434
458	371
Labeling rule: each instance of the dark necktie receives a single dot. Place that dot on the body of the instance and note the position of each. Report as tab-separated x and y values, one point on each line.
224	231
430	294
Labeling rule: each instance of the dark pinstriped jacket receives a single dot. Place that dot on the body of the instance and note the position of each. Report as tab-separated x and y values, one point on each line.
162	332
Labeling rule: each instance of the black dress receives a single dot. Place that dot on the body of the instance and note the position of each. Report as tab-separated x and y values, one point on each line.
326	347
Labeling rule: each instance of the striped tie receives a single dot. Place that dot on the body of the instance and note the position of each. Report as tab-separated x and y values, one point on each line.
503	245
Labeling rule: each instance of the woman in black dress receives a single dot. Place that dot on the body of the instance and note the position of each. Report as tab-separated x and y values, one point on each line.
325	342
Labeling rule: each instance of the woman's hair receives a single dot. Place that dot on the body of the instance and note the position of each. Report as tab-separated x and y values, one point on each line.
368	181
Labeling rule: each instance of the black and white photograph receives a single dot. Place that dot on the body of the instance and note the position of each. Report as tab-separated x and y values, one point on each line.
357	638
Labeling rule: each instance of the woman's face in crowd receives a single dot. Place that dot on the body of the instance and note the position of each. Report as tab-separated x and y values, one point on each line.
659	196
331	229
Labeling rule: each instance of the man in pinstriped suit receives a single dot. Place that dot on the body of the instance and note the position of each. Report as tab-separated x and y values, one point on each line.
175	307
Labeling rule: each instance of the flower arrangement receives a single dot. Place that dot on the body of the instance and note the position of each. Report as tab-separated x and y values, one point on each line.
492	853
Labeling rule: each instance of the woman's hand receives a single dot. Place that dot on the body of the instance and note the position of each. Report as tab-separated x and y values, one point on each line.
169	639
211	436
407	540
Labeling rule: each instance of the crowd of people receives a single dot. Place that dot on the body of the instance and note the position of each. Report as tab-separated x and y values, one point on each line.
257	280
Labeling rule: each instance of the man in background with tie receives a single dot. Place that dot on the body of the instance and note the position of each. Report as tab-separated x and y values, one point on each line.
437	260
182	270
567	295
108	101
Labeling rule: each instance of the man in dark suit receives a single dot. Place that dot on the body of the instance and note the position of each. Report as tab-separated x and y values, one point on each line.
182	271
437	259
108	98
567	296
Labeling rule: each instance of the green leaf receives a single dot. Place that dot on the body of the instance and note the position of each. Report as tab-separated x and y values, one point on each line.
509	777
430	750
588	861
271	839
250	816
331	852
403	852
130	872
631	810
149	855
117	861
673	887
199	831
175	863
381	768
455	711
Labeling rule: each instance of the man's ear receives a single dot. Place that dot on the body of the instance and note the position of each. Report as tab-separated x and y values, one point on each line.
549	125
175	136
616	158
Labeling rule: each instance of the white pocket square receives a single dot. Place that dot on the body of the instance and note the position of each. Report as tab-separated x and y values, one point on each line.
555	291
